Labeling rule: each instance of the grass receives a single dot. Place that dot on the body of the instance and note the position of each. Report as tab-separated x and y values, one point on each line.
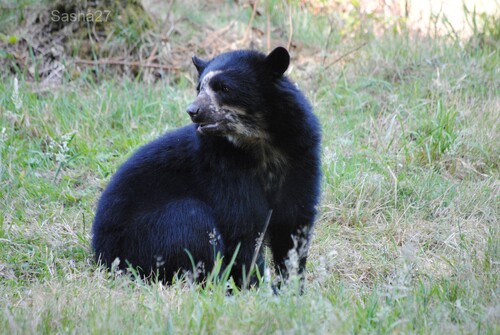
407	238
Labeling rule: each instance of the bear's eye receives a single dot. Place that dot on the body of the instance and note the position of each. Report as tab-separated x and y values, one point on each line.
220	87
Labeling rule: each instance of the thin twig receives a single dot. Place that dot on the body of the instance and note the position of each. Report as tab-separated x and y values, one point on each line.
338	59
327	44
268	39
395	179
290	26
215	36
249	26
107	61
152	55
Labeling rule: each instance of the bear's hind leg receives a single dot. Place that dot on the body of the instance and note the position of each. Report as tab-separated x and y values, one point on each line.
180	238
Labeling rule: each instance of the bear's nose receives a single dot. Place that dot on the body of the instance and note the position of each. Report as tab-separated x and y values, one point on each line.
193	110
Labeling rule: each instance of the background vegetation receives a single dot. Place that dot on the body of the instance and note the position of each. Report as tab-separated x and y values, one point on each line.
407	240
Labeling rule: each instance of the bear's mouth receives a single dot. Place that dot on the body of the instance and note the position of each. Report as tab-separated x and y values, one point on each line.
206	128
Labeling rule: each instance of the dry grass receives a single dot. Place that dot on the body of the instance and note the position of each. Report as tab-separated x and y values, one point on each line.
407	236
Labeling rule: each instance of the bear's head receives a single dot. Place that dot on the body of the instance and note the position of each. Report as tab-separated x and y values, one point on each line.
234	90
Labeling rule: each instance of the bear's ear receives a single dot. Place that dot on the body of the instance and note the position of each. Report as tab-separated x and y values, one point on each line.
277	61
200	64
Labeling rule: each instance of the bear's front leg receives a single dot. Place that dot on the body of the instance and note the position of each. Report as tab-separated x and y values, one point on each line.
248	262
290	251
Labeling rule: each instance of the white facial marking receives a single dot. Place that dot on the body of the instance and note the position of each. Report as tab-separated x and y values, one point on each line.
240	128
205	88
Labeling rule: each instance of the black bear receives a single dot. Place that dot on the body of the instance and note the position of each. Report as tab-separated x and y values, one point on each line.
253	149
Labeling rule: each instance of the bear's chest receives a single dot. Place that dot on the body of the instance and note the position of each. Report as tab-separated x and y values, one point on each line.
272	172
239	201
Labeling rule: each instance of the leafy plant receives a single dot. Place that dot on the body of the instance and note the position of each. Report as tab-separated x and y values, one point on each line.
437	134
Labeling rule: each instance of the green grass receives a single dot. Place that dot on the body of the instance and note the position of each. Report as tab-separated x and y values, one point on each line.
407	238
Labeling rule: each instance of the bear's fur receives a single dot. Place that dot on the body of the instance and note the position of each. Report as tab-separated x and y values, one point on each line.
207	188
